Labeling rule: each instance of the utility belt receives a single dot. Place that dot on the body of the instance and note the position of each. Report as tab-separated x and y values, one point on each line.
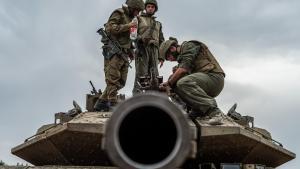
141	48
208	67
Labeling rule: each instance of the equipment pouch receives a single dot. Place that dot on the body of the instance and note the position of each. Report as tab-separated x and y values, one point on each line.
108	50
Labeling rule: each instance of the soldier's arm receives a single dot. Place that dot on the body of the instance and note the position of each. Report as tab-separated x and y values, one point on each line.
161	39
180	72
161	35
189	52
114	25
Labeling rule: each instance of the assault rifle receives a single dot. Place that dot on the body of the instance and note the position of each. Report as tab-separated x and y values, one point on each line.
111	47
93	91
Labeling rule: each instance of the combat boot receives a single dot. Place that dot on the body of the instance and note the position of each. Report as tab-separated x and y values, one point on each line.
195	114
215	117
101	106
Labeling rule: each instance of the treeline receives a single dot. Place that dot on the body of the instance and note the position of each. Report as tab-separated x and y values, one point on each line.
2	163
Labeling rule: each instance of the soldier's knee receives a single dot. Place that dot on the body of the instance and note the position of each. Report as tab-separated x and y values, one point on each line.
182	83
113	74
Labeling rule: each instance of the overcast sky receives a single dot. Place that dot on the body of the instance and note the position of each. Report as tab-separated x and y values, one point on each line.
49	50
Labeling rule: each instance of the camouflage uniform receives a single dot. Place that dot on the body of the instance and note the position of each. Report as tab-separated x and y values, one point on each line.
116	68
149	40
205	79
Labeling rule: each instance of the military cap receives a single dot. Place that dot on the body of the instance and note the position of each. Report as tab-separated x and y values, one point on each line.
136	4
164	47
154	2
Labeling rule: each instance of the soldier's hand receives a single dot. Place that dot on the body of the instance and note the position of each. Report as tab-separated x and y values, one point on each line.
163	86
161	63
132	24
131	58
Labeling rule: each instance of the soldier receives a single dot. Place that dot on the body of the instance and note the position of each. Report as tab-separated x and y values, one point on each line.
148	42
116	67
198	79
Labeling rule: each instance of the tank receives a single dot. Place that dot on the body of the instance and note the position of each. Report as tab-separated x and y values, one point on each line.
150	131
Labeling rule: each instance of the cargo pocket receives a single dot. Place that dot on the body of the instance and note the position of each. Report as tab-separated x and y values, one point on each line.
114	75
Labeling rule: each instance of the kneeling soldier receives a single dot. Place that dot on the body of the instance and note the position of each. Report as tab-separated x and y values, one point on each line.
198	79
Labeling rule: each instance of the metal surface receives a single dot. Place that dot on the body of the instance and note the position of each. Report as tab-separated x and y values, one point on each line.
73	143
149	131
235	144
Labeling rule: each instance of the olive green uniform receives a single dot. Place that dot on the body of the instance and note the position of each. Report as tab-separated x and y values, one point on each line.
205	79
116	68
147	56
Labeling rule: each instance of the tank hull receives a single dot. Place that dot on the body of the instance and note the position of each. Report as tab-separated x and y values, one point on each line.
78	143
232	144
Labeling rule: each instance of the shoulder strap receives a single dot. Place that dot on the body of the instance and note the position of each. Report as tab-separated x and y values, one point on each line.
182	44
119	10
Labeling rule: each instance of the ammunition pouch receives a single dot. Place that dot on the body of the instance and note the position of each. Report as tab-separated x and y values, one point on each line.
108	50
149	40
153	42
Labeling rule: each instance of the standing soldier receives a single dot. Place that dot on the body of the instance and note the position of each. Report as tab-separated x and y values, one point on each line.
148	42
115	65
198	79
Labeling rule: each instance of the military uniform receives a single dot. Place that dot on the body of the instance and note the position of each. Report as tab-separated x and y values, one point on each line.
198	77
116	67
205	79
149	39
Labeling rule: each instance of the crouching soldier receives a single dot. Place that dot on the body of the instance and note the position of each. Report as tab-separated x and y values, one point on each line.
198	79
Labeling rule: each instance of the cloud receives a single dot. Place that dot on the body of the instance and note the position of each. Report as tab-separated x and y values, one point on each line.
49	50
265	27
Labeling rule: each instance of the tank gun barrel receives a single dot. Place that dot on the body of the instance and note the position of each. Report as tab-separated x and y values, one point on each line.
149	131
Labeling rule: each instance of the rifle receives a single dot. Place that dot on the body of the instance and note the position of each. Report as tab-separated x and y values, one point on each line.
94	91
111	47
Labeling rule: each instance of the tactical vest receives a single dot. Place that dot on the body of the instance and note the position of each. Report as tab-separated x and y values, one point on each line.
149	30
122	38
205	61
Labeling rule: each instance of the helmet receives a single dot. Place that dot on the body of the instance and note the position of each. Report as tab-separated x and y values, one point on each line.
164	47
154	2
136	4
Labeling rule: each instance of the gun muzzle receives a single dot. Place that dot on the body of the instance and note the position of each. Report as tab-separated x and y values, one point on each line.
148	131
